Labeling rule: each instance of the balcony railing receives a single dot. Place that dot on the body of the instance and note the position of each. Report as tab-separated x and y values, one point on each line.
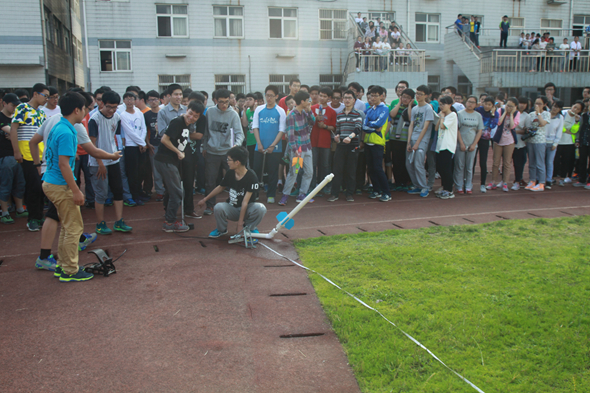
523	60
407	60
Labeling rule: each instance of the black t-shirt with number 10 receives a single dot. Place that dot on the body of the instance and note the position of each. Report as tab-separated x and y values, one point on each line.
239	188
178	132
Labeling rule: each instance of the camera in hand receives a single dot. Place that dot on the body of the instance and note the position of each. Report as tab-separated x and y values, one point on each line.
529	133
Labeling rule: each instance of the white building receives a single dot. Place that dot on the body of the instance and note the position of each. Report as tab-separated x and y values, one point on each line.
246	45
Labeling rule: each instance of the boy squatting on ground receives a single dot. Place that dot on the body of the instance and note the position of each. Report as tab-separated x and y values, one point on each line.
243	189
167	161
59	185
45	260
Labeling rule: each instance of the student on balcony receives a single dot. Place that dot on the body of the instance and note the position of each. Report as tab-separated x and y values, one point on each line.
504	28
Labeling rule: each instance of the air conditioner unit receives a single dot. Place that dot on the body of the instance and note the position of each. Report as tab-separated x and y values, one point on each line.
556	2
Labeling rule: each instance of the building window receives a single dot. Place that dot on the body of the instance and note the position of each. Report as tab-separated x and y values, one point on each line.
58	38
234	83
48	25
67	41
580	22
427	27
333	24
516	26
172	20
331	81
166	80
115	55
282	81
464	85
434	82
229	22
282	22
552	25
384	16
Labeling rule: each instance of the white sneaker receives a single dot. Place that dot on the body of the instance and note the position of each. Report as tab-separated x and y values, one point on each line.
358	70
437	176
567	180
482	188
515	187
499	185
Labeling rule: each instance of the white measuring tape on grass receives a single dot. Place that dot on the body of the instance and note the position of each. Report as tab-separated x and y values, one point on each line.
378	312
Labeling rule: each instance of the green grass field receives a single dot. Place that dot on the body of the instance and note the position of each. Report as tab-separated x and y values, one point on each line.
504	304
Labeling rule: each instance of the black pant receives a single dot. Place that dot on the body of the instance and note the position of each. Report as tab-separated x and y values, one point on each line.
398	162
82	166
271	162
361	169
200	171
483	147
503	38
564	160
444	166
374	156
132	155
573	63
344	168
187	175
358	60
251	150
145	172
519	160
582	164
33	191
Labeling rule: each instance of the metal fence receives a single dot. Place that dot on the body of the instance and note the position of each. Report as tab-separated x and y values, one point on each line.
407	60
523	60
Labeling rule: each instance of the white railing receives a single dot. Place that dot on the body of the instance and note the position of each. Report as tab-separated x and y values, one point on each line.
404	37
407	60
523	60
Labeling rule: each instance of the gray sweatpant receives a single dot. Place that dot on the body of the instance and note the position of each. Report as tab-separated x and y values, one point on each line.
463	173
416	168
225	212
431	160
307	173
158	182
536	161
171	178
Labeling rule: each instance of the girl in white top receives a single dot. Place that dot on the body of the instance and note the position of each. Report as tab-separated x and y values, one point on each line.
565	157
378	50
553	132
446	145
536	145
395	37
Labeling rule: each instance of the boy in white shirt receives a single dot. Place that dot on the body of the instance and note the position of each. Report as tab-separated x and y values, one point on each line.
133	125
576	47
565	48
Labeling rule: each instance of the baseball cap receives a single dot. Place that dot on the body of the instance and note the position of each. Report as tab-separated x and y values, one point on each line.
11	98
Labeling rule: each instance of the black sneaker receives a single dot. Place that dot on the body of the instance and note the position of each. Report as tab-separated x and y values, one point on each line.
33	225
548	185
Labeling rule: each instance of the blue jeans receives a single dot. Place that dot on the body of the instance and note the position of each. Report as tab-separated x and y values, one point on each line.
549	160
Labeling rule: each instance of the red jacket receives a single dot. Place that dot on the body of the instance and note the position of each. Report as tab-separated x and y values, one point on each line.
321	137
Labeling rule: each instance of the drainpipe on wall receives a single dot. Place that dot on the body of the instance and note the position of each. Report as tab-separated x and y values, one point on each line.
43	35
571	16
88	83
250	72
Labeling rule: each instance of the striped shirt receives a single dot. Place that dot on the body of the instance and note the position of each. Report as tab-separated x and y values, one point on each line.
29	120
298	127
348	123
104	130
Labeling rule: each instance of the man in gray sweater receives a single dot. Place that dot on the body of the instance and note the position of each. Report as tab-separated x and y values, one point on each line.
224	132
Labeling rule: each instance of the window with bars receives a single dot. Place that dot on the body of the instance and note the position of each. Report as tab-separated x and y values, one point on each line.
516	26
229	22
333	24
282	22
552	25
166	80
434	82
579	24
464	85
282	81
332	81
115	55
427	27
384	16
234	83
172	20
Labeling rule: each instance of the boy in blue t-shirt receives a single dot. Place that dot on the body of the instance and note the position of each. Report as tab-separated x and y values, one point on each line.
268	126
59	185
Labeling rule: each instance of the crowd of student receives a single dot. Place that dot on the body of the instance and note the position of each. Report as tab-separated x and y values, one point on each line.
171	146
380	44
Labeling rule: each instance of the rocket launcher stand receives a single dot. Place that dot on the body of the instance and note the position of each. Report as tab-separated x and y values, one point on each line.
285	220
